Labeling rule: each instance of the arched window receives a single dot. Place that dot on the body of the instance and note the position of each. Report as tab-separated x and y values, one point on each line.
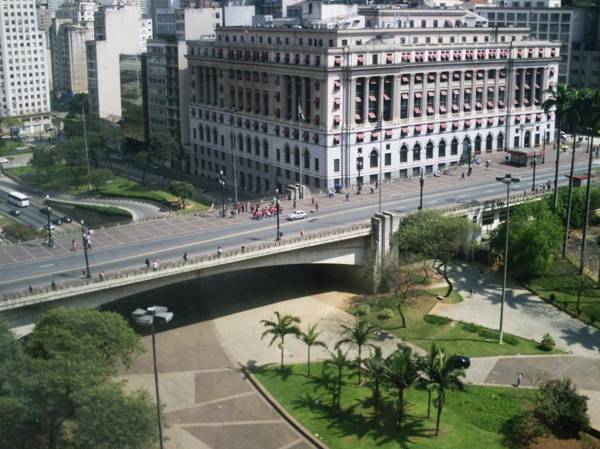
248	144
306	157
374	159
265	149
442	148
201	133
454	147
429	150
403	154
287	154
500	142
489	142
256	147
417	152
215	136
467	149
478	145
296	156
527	140
240	142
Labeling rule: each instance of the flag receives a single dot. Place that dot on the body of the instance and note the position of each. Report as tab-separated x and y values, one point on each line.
300	114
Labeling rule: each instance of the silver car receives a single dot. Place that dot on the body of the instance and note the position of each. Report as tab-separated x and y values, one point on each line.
296	215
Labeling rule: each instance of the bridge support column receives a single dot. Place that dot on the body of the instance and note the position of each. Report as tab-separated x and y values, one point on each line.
384	225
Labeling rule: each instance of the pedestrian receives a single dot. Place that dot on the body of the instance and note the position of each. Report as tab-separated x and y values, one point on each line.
376	184
53	285
30	290
219	251
147	262
101	275
481	272
317	207
185	257
372	189
312	200
519	380
294	204
89	243
301	233
347	196
73	245
471	292
155	265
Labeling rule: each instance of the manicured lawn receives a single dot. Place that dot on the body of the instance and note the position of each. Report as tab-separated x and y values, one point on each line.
561	281
454	336
63	181
96	215
9	147
471	419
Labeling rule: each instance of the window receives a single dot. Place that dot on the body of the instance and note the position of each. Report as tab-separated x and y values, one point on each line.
373	159
429	150
403	154
417	152
336	165
442	149
454	147
388	159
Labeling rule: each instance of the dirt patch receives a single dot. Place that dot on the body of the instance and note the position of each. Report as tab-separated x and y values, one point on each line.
551	442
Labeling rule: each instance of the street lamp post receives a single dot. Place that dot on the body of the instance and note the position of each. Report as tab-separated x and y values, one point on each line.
84	241
381	159
234	151
278	237
534	167
421	184
507	180
359	167
49	215
470	169
146	318
300	120
222	184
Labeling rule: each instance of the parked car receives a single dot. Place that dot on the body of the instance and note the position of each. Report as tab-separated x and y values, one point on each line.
66	219
296	215
51	227
44	211
460	361
15	212
57	221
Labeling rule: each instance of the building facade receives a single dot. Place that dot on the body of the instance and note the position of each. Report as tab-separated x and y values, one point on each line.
340	107
24	89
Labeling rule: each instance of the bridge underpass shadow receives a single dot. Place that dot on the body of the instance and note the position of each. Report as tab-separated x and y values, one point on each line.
229	293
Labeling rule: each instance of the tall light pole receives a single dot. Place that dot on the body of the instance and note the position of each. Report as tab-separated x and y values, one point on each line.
49	215
87	155
84	241
421	184
506	180
146	318
469	147
234	151
300	120
222	184
534	167
278	237
381	159
359	167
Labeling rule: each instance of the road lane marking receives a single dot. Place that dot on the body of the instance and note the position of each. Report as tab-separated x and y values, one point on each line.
47	265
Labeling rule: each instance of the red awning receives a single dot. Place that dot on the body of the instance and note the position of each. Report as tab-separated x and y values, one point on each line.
372	98
467	122
430	94
404	130
386	97
337	119
418	95
337	83
490	121
479	121
388	133
372	115
429	109
418	111
337	101
442	126
490	104
455	124
404	96
442	109
375	135
418	128
389	57
357	116
360	136
430	127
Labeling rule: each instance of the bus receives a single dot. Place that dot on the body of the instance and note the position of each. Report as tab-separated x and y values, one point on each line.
18	199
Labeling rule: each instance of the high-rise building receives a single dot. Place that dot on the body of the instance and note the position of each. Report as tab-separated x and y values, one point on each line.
336	105
110	41
24	90
134	121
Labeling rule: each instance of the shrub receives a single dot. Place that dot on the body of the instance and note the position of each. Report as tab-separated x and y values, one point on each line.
437	320
385	314
470	327
362	310
520	430
594	316
488	333
552	297
547	343
560	408
510	339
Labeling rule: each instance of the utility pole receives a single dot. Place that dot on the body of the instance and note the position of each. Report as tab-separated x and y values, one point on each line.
421	184
300	120
278	237
85	241
87	156
234	151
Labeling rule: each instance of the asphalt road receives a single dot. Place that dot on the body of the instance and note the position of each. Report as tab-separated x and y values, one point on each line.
30	216
43	271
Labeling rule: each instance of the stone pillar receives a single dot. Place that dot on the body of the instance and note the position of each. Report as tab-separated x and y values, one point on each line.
294	111
396	99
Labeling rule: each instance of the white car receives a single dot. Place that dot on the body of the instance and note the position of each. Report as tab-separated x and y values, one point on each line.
296	215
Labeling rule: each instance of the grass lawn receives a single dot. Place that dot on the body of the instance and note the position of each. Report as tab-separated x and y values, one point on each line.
454	336
471	419
95	215
64	182
10	147
14	231
561	282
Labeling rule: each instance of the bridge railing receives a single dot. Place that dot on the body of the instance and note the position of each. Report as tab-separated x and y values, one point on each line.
497	202
191	264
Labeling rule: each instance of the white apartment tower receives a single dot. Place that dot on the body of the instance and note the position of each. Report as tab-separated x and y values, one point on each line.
24	91
118	30
377	104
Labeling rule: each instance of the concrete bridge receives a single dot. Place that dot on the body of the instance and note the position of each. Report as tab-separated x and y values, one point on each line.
355	245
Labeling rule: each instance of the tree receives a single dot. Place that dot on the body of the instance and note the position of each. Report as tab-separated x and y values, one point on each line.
339	360
427	369
143	159
442	376
401	370
358	334
99	177
534	239
582	283
278	329
162	148
181	189
45	160
561	408
73	154
433	235
311	338
400	277
375	369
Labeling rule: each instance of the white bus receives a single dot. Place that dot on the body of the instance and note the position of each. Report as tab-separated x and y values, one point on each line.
18	199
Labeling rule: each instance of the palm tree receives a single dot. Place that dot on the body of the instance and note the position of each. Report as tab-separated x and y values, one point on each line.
574	110
375	370
311	338
282	325
401	371
443	375
558	100
426	364
591	117
339	360
357	335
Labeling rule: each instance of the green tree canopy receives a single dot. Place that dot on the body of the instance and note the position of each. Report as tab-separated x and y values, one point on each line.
181	189
433	235
45	160
535	237
99	177
162	148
